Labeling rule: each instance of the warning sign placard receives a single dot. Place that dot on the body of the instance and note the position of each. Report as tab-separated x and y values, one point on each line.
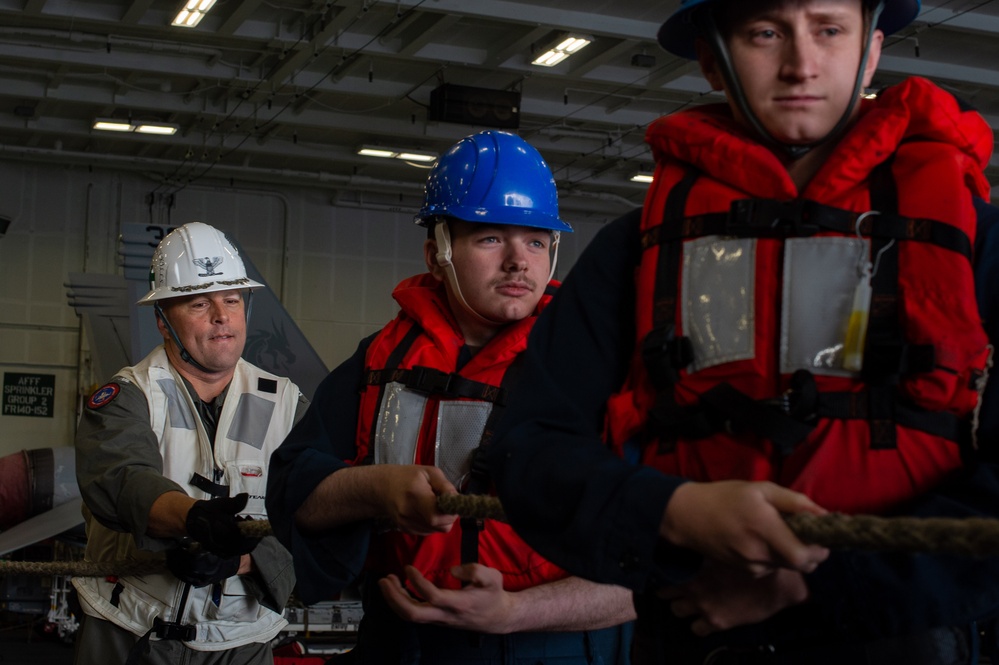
28	394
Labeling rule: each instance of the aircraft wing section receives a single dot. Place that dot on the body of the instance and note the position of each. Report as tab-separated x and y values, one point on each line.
49	524
101	302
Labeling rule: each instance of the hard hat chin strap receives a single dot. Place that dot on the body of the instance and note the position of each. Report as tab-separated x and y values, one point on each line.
443	257
705	21
556	235
443	237
184	354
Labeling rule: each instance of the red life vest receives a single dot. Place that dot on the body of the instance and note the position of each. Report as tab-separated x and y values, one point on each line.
737	374
412	394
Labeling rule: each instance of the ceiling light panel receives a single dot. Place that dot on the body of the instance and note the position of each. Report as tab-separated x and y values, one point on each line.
560	49
192	13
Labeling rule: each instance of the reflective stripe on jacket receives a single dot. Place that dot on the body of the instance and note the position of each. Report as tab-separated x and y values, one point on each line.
416	408
258	412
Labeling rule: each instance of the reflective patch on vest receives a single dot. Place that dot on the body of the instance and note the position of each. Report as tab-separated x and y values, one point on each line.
398	427
820	278
249	424
179	413
718	288
459	430
250	477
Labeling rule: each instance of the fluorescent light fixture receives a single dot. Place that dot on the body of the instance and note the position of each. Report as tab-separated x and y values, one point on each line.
112	125
161	128
138	126
416	157
393	153
192	13
376	152
641	177
561	49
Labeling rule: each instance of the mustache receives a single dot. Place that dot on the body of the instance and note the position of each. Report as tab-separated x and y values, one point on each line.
519	281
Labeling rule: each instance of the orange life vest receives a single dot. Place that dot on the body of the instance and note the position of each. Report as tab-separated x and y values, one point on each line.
746	290
416	408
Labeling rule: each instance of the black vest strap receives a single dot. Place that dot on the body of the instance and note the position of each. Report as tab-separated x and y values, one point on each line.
169	630
767	218
785	420
789	419
881	407
435	382
479	481
164	630
116	593
662	352
884	335
205	485
394	359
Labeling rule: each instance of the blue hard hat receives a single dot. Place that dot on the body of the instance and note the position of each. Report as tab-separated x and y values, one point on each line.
492	177
678	32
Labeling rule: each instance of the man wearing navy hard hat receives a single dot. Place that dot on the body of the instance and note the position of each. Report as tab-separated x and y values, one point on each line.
355	487
788	325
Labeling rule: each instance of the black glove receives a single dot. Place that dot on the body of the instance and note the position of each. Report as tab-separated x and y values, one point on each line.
214	524
200	568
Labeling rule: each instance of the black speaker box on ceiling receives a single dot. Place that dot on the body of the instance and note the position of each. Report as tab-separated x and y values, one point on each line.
475	106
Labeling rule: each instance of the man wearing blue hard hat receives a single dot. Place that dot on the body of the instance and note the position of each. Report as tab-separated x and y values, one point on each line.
355	486
788	325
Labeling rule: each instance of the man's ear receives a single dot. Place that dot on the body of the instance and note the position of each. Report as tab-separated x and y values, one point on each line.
430	257
160	325
709	64
873	56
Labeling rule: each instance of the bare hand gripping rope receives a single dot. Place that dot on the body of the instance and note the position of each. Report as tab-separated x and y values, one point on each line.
971	537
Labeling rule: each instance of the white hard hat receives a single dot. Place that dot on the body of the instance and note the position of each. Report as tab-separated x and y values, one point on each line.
195	258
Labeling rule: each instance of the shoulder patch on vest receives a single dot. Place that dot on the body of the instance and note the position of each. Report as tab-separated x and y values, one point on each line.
103	396
267	385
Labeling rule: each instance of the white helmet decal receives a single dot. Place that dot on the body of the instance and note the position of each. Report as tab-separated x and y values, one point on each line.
208	264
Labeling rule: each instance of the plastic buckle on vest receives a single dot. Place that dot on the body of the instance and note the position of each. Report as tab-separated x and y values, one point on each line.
429	380
664	355
168	630
784	219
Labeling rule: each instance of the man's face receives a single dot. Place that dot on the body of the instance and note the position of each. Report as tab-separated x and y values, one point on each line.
211	326
502	270
797	62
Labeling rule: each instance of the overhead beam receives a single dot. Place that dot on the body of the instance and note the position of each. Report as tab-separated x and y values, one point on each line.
136	10
240	13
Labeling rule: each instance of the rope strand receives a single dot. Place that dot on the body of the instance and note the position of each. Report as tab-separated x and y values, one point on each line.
975	537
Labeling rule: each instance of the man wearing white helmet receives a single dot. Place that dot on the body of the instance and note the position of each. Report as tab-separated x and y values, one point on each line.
353	491
175	449
793	309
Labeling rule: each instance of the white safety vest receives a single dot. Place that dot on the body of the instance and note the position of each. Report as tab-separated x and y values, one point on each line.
258	412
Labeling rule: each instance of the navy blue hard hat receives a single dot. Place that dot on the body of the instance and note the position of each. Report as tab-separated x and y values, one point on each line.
492	177
678	32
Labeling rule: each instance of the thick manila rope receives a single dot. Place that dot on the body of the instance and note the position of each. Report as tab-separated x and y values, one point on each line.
970	536
976	537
